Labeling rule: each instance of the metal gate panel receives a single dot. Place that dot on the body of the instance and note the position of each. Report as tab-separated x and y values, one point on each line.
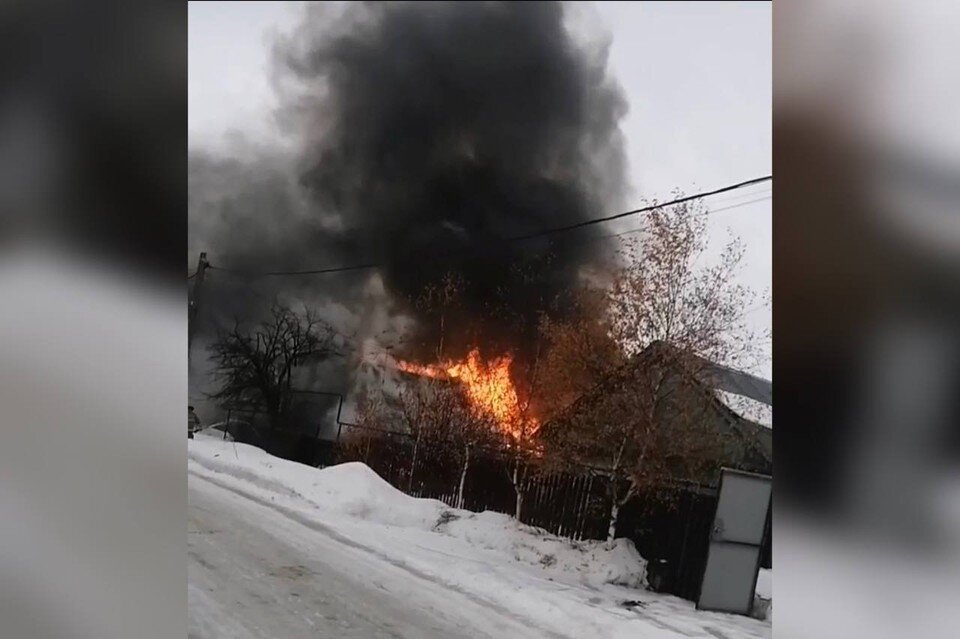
736	538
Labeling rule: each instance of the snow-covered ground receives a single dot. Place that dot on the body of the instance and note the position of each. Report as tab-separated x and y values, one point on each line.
254	573
558	588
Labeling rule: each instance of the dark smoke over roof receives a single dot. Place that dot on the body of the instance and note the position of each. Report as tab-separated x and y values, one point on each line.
429	132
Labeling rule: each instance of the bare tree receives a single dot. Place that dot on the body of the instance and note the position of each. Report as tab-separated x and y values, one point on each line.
629	368
647	427
665	293
420	412
519	439
467	429
443	422
435	411
368	438
255	366
440	299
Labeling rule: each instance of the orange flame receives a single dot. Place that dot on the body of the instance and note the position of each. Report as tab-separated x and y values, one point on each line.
488	387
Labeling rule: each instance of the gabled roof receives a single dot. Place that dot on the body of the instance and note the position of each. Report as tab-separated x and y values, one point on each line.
717	376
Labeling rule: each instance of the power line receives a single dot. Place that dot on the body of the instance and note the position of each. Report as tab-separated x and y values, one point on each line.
643	209
710	212
319	271
740	196
521	238
735	205
739	204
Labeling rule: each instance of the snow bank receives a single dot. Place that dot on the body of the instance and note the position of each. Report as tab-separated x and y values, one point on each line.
355	490
590	562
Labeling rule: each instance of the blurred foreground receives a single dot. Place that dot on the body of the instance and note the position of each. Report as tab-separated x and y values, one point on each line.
867	338
92	322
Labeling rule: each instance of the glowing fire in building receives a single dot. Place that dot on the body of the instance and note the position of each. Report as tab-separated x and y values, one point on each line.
488	387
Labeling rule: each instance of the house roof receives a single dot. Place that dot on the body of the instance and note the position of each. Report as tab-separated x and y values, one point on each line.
718	376
744	401
737	382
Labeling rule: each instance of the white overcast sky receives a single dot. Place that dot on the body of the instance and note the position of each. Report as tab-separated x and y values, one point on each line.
697	77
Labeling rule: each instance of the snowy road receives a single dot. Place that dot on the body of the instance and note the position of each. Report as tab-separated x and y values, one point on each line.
255	572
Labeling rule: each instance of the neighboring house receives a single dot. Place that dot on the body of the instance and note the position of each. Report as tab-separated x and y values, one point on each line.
748	401
746	405
738	405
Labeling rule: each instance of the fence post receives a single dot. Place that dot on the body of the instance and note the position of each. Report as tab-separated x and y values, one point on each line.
683	547
584	493
566	497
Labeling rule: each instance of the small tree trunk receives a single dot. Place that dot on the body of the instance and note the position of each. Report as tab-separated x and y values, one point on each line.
516	488
614	510
413	462
463	476
612	527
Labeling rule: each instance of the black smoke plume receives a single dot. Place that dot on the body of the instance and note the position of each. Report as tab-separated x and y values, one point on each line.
428	134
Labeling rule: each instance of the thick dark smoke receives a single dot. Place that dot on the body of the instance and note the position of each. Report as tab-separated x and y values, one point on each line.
430	132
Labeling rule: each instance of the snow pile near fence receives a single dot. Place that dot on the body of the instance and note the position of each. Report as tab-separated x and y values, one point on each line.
354	490
589	562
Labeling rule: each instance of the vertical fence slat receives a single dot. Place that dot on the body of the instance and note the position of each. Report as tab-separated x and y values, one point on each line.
558	504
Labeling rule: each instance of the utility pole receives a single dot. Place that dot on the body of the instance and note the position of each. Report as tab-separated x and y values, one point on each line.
193	303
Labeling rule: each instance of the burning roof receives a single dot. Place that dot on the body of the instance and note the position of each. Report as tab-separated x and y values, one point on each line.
486	383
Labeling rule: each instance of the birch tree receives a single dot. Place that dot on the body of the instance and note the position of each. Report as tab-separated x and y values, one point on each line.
468	430
442	422
630	366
